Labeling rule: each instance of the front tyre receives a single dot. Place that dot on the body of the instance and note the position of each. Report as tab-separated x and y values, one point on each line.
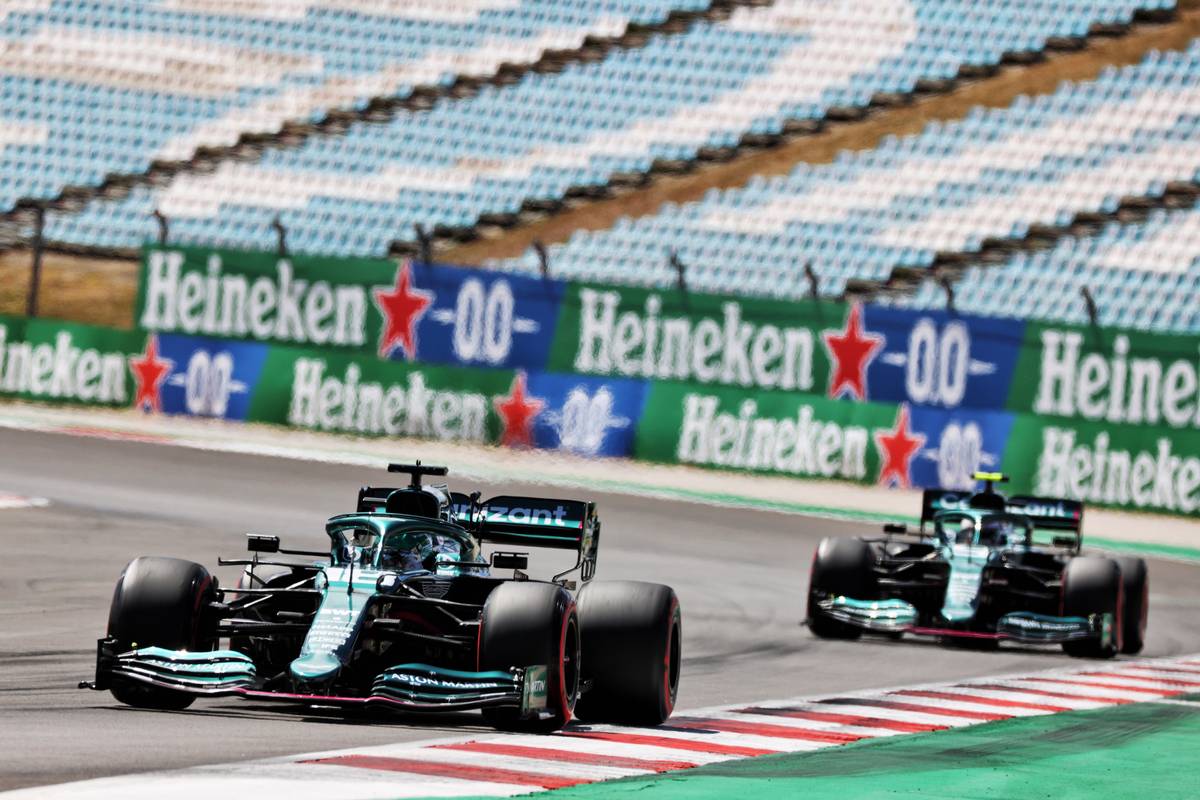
1093	585
527	624
632	643
841	568
159	602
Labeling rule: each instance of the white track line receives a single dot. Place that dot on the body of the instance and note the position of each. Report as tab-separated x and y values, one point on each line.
12	502
499	765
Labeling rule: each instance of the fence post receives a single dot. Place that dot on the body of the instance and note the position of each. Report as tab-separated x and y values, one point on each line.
948	288
681	271
163	227
281	237
813	285
1089	303
543	258
424	244
35	272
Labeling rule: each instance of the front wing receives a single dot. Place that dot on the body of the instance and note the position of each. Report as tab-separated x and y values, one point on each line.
896	616
413	687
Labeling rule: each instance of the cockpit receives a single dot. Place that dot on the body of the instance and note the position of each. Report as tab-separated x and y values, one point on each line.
404	546
988	530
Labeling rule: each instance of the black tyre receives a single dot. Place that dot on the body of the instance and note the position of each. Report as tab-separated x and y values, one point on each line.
158	602
632	643
1092	585
1135	584
525	624
841	567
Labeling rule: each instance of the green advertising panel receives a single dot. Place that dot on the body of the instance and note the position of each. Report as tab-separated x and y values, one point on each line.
331	391
1112	376
703	339
64	362
1137	467
781	432
264	297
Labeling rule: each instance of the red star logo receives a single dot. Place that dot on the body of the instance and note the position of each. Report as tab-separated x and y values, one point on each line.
853	351
402	308
149	372
897	448
517	413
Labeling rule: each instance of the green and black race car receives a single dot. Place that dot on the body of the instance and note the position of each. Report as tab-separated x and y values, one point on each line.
405	612
989	568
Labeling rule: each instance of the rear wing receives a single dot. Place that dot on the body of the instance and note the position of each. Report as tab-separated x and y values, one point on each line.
532	522
1050	513
1047	513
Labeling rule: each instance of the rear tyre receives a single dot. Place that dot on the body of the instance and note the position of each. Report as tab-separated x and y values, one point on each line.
632	640
841	567
158	602
526	624
1135	584
1092	585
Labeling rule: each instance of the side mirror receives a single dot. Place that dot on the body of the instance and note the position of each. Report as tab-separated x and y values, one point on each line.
895	527
387	583
257	543
510	560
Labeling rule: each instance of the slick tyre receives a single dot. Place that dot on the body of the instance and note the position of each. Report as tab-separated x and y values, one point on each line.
631	634
1135	584
1093	585
527	624
841	567
158	602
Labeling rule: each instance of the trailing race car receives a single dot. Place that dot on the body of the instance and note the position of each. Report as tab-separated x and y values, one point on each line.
404	612
980	575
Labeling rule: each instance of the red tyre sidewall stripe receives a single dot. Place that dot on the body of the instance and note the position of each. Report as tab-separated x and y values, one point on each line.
564	704
668	695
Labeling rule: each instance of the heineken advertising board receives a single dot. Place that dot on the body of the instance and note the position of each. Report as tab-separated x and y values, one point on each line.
863	353
815	389
398	311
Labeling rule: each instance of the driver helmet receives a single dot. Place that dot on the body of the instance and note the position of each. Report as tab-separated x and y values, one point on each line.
406	551
996	531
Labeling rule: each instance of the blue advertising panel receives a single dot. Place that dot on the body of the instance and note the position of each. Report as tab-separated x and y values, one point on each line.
939	359
956	445
209	377
587	416
481	318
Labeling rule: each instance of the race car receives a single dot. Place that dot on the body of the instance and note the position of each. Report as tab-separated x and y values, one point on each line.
982	568
405	612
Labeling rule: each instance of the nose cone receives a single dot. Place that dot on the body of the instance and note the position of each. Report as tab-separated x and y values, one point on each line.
315	668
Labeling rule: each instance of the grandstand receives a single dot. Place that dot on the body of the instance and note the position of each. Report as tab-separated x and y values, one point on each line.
951	188
363	126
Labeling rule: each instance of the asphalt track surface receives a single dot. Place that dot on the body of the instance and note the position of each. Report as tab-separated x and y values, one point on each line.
740	574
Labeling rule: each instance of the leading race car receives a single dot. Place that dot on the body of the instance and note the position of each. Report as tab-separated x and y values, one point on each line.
404	612
982	573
